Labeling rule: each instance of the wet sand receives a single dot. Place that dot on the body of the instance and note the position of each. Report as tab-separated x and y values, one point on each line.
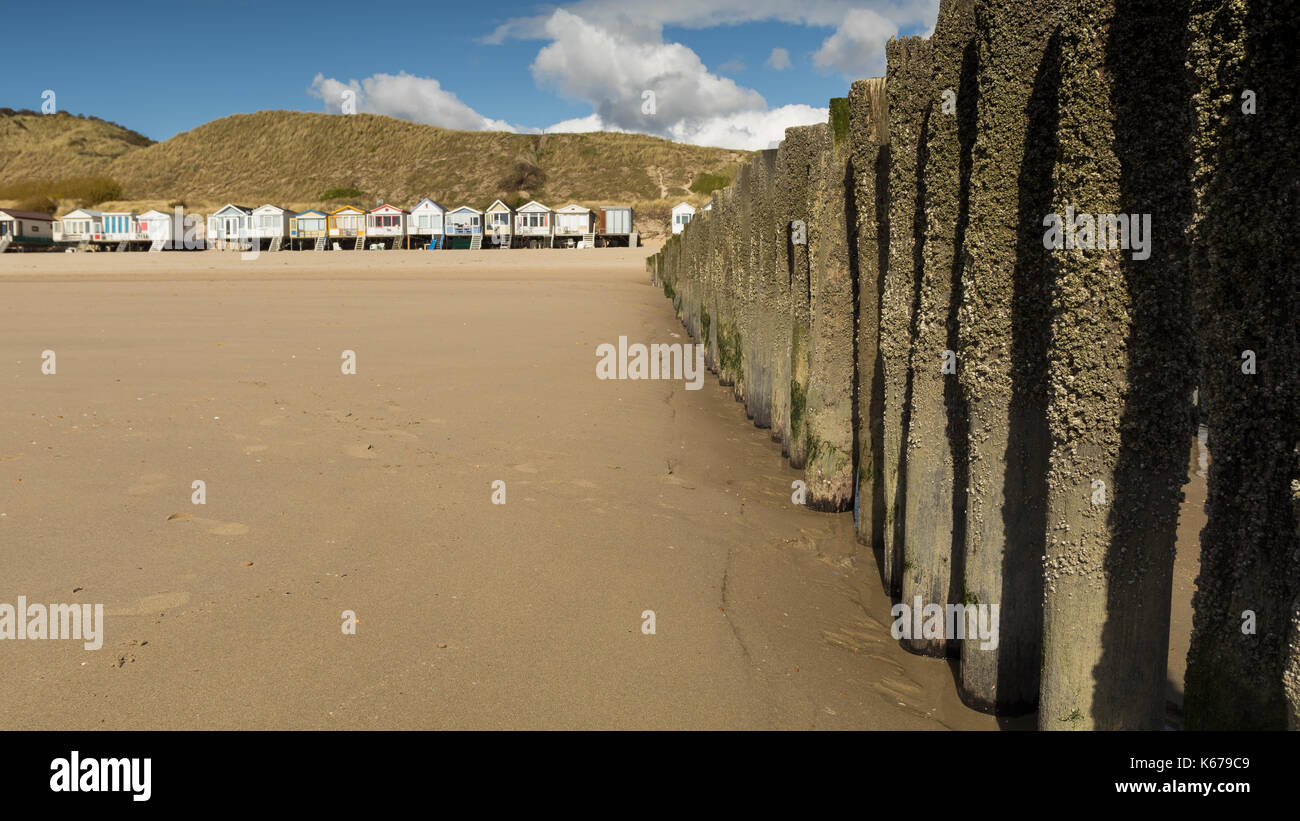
372	493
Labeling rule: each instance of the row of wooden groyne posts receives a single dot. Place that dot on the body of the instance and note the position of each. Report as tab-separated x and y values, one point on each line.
1011	417
429	225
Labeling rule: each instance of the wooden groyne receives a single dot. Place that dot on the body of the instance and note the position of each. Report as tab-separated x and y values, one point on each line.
973	307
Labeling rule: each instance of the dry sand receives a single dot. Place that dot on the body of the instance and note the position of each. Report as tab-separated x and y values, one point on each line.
371	493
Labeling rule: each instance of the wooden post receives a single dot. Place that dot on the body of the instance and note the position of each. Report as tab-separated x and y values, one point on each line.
1119	365
830	401
1004	330
907	88
936	436
869	257
1241	671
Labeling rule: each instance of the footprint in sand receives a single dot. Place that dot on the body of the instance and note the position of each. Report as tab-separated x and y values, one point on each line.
212	526
150	605
148	484
362	451
525	468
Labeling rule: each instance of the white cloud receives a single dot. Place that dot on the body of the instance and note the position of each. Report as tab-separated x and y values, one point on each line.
580	125
608	54
779	59
407	97
746	130
612	72
857	48
648	19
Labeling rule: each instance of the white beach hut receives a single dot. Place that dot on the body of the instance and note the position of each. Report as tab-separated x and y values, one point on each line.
387	223
535	225
119	227
228	224
574	223
163	230
683	213
464	227
78	226
270	223
499	222
424	223
25	228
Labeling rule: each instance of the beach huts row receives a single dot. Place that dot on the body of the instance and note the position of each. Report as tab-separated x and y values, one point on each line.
428	225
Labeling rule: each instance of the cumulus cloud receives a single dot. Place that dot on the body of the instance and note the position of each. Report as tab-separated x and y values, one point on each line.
779	59
749	130
648	19
612	71
408	97
857	48
580	125
651	86
746	130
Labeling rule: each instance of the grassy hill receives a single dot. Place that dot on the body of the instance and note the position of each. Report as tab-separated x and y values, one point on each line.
34	146
301	160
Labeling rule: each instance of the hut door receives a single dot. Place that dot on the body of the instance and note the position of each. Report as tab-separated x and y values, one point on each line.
232	228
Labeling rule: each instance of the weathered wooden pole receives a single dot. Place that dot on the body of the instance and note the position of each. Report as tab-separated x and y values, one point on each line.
869	141
1119	365
936	438
787	193
1243	666
766	274
742	257
709	308
907	87
803	141
830	401
724	255
1004	332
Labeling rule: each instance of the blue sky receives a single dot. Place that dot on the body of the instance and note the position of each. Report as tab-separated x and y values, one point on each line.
718	68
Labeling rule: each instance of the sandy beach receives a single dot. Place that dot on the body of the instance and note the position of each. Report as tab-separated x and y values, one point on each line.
372	493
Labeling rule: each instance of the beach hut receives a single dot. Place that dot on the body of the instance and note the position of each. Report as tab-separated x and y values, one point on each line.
348	222
387	223
535	225
308	228
499	221
78	226
120	227
25	228
228	224
615	226
163	230
683	213
574	223
270	223
425	223
464	227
